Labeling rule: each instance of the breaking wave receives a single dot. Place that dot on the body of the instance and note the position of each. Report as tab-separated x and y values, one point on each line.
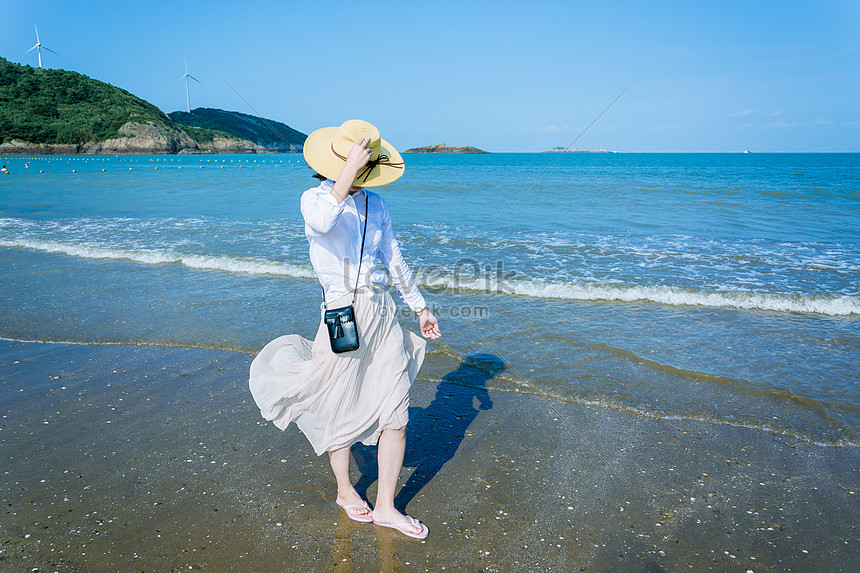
155	257
833	305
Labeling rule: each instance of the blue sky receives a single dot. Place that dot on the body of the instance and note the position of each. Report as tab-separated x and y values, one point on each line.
502	76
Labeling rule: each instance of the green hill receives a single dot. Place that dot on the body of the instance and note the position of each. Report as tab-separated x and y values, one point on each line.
57	106
271	134
58	111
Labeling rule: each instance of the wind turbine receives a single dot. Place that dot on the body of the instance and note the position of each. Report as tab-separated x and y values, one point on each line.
186	77
39	47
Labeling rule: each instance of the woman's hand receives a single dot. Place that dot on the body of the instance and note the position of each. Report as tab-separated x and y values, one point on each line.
357	158
428	324
359	155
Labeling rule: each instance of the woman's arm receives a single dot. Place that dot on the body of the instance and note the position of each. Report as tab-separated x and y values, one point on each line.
358	157
322	209
401	276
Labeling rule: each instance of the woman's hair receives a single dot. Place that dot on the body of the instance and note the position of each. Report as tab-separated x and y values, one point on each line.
320	177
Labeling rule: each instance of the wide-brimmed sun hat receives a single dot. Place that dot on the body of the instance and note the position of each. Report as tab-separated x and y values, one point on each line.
326	151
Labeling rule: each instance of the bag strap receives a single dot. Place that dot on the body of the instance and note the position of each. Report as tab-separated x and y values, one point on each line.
360	257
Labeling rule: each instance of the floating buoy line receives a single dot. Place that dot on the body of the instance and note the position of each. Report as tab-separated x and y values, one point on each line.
10	162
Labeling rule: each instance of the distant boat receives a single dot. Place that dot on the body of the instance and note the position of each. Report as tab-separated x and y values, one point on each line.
747	151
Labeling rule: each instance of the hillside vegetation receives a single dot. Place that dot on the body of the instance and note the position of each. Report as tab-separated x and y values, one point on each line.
57	106
58	111
268	133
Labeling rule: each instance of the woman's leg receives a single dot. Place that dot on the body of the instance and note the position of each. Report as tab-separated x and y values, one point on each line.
392	445
346	494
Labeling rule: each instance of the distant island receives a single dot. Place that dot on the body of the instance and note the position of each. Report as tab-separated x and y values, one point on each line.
442	148
561	149
44	111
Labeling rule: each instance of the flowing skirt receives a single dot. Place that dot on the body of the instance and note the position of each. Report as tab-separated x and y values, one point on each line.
337	400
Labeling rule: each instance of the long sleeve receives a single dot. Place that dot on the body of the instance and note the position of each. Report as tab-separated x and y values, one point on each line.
398	270
320	209
334	234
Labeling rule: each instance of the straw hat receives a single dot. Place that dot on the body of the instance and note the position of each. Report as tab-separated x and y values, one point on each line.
326	151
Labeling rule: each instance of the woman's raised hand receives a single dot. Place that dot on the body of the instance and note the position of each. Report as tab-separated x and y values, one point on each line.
359	155
357	158
428	325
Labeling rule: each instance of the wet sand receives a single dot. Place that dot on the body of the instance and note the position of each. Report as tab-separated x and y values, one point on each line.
139	458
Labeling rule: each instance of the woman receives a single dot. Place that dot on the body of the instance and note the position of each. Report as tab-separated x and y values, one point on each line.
362	395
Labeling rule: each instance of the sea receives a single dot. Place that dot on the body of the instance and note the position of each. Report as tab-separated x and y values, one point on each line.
723	288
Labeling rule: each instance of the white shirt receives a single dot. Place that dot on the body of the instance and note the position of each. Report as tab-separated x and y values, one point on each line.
334	232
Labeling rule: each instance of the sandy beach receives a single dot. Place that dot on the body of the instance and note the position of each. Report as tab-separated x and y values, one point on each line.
121	457
649	358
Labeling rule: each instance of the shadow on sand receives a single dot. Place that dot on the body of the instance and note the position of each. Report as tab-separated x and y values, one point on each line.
434	433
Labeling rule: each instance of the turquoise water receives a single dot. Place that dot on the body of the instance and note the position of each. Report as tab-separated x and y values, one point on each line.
708	286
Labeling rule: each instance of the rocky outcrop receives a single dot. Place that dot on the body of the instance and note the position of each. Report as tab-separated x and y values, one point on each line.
224	145
17	147
148	138
138	138
442	148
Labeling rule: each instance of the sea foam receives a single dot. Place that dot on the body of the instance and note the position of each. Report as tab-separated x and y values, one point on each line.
819	304
154	257
833	305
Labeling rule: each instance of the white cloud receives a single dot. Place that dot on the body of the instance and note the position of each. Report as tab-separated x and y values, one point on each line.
818	121
754	111
743	112
551	128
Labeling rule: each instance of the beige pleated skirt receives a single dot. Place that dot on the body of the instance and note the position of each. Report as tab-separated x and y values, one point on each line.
337	400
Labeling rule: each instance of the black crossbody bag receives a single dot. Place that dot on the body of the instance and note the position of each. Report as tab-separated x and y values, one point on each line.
340	322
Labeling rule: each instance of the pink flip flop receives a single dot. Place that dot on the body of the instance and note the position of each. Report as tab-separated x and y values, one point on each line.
407	529
359	517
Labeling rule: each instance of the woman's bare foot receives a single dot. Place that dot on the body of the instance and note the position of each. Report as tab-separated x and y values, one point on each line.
393	517
408	526
354	506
